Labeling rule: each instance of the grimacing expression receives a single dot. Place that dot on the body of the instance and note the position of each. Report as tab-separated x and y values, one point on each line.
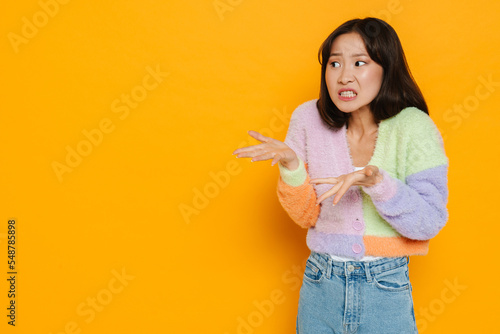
353	79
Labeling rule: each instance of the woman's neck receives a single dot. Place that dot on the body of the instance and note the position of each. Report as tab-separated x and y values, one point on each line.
361	123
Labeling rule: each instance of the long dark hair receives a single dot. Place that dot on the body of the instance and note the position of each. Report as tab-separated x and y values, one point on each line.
398	90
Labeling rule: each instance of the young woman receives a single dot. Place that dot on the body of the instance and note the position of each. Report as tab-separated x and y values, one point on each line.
364	169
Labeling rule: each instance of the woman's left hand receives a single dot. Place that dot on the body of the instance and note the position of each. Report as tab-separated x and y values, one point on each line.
368	176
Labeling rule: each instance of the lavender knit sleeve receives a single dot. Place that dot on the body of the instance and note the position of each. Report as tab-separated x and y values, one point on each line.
296	134
417	208
295	193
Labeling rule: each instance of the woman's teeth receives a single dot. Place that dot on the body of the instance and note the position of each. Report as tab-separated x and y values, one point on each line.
348	93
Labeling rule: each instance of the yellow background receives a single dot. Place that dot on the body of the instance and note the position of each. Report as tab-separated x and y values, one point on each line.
197	236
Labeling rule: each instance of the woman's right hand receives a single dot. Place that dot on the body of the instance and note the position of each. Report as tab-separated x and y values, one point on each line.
269	149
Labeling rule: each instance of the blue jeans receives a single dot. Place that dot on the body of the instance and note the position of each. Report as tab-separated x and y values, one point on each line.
356	297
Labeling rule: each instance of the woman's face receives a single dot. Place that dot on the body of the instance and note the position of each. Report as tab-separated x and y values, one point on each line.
352	77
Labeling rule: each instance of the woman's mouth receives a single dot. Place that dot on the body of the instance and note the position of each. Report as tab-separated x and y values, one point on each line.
347	95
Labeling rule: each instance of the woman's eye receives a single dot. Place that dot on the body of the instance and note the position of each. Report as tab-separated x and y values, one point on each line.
335	64
359	63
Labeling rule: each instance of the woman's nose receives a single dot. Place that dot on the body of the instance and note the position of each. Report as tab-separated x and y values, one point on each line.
345	76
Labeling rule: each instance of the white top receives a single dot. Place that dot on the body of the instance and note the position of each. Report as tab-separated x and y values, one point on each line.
364	258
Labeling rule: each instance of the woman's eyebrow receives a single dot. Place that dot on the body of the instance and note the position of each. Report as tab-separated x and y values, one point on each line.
333	54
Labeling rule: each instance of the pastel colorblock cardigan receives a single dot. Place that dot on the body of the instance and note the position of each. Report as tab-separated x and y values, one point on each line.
395	217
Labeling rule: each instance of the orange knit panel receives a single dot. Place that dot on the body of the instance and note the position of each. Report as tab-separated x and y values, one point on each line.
394	246
299	202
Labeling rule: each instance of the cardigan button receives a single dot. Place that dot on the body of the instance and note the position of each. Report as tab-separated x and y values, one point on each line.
357	225
354	196
356	248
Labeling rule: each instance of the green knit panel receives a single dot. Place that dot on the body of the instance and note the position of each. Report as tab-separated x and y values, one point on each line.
375	224
407	144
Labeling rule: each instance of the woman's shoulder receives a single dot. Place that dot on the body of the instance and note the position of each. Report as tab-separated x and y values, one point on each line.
419	130
412	121
412	117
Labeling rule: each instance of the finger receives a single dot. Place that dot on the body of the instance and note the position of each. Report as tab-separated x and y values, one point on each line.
276	159
367	171
327	180
325	195
259	137
329	193
245	148
371	169
265	156
345	186
249	151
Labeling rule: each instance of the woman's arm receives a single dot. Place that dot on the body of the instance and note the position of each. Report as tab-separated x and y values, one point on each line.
295	193
415	207
297	196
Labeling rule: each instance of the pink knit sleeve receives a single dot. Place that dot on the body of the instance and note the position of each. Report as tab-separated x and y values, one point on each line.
299	202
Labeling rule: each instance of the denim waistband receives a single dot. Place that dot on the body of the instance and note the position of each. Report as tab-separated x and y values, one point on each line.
365	268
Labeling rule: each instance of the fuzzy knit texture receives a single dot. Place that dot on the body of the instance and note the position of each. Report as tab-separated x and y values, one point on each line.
395	217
